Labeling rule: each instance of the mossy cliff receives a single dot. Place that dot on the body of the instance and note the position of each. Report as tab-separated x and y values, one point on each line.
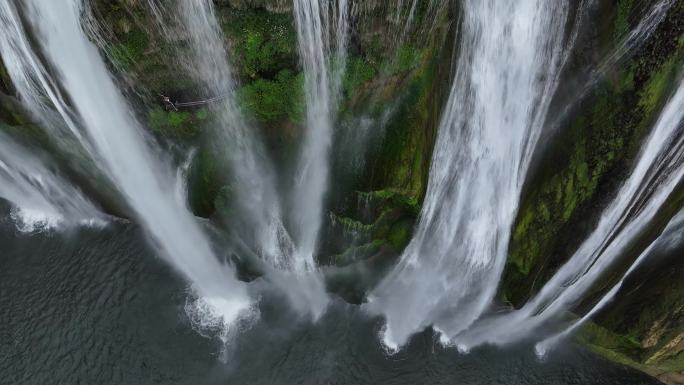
579	173
593	152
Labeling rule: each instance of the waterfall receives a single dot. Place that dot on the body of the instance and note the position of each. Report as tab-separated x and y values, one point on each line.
509	63
98	115
252	177
640	33
507	72
323	62
671	236
314	31
259	221
40	197
656	174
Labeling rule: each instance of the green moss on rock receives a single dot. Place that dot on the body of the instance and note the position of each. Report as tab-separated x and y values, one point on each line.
179	125
272	101
130	49
265	42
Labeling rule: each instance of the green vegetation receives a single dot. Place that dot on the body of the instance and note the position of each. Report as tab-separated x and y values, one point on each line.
407	58
400	234
395	198
405	146
358	253
624	8
626	350
618	345
359	71
352	225
273	100
265	55
659	84
394	215
176	124
204	186
266	42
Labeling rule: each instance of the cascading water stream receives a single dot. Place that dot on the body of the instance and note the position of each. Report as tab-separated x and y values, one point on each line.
100	118
657	172
323	62
314	30
671	236
260	218
637	36
507	72
252	177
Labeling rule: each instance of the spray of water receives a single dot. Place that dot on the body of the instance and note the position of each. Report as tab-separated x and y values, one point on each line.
507	71
99	117
41	199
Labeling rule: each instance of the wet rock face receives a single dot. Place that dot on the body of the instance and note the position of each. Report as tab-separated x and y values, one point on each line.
5	83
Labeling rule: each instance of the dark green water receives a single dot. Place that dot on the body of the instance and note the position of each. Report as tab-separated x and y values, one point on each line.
96	307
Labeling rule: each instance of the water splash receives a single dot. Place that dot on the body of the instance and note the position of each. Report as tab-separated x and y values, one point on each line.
507	72
41	198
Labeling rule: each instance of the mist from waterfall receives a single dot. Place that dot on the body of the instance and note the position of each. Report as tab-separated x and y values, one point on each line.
40	197
99	117
507	72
